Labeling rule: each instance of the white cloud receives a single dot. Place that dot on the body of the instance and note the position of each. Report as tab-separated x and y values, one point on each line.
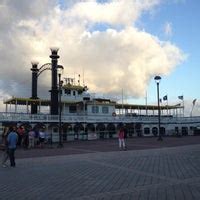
114	12
112	59
130	59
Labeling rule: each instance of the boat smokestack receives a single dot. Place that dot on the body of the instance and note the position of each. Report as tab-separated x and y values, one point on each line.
34	70
54	84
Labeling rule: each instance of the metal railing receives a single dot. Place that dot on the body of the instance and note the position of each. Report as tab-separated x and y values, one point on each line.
45	118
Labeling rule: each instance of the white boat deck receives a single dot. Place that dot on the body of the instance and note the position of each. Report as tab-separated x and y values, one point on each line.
45	118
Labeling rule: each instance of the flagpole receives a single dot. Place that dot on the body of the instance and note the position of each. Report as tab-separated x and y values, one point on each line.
182	98
167	104
191	110
165	98
193	104
122	101
146	103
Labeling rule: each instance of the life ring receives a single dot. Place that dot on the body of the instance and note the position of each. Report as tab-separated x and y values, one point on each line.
114	114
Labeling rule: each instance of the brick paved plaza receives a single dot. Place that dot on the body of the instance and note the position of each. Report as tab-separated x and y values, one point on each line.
98	170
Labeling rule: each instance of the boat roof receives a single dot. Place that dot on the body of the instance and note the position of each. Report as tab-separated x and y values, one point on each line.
25	101
46	102
146	107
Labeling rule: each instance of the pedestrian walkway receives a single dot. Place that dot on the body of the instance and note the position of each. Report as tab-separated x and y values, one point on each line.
168	173
106	145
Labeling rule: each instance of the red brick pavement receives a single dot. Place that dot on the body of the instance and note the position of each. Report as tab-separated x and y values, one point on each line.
106	145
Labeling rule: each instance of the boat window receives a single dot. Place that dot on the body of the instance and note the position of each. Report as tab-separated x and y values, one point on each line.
95	109
162	130
155	131
105	109
79	92
72	109
184	131
68	92
55	129
146	130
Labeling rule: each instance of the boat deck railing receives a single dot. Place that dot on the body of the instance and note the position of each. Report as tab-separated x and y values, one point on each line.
46	118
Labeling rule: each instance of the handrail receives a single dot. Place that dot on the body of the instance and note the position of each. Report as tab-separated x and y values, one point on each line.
23	117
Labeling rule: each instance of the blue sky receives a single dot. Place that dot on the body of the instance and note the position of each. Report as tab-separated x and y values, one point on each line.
183	17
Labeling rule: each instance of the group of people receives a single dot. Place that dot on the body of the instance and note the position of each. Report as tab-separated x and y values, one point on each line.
13	136
21	137
29	138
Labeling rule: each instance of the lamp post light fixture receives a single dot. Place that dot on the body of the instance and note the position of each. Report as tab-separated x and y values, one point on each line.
157	80
60	68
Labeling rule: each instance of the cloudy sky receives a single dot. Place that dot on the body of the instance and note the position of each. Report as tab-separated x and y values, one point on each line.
117	45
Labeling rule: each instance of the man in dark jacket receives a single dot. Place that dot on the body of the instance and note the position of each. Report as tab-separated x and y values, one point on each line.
12	144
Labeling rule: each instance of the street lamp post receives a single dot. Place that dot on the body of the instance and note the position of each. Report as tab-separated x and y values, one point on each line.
54	83
60	144
35	70
157	79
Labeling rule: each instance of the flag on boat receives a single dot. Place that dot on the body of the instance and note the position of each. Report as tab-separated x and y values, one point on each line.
165	98
194	101
180	97
160	100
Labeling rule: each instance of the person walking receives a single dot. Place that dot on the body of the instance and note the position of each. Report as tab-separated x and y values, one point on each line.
25	138
20	132
121	137
42	138
12	145
31	138
5	155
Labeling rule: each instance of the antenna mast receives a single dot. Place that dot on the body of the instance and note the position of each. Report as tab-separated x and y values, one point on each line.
83	78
